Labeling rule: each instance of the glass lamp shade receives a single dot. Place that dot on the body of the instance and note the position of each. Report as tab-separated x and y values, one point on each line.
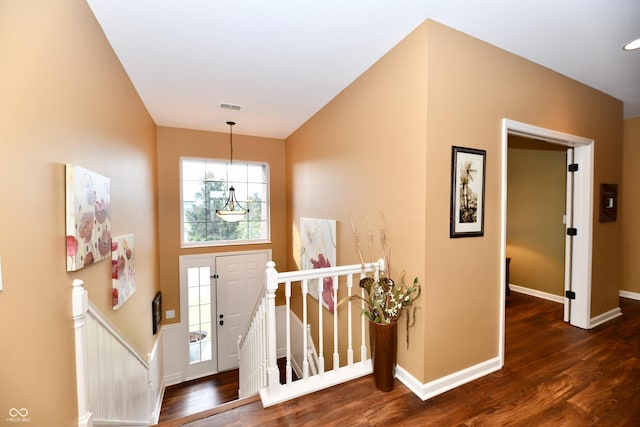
232	211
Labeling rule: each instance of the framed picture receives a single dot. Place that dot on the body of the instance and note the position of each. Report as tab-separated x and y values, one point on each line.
467	192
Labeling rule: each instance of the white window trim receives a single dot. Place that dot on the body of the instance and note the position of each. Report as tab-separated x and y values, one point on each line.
218	243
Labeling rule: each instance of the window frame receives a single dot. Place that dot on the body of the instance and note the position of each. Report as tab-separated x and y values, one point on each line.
217	243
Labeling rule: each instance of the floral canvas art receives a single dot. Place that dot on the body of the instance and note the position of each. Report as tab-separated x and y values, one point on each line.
123	271
88	219
318	250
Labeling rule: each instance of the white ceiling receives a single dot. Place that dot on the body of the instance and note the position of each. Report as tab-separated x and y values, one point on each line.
283	60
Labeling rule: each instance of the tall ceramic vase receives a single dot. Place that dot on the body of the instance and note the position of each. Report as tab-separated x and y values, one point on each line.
384	349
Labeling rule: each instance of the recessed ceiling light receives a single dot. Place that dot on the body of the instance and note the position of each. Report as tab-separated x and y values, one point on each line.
632	45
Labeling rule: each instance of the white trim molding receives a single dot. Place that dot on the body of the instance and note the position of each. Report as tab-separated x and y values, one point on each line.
578	252
536	293
605	317
630	295
433	388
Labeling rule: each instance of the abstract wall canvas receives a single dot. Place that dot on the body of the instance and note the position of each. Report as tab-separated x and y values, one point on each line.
88	219
123	269
318	250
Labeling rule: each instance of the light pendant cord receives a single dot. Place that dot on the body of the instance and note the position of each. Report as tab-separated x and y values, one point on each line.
231	141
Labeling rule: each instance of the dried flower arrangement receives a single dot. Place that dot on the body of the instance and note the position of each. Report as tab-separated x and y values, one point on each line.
385	300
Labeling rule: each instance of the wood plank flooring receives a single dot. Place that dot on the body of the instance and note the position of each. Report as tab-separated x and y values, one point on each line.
190	397
554	375
214	393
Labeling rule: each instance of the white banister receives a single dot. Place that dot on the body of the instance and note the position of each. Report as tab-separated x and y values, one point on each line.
272	391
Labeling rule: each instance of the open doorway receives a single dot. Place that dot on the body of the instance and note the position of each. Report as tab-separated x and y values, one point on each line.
536	217
579	218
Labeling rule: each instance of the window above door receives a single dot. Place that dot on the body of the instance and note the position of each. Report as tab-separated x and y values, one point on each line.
204	185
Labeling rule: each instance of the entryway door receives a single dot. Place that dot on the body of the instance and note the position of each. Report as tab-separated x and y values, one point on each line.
240	279
218	293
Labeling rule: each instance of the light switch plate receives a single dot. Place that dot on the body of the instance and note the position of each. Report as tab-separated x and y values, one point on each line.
170	314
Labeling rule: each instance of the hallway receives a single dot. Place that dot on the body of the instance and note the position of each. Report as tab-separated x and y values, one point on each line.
554	374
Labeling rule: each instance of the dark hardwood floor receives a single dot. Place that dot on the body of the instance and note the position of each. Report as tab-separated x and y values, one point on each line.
214	393
190	397
554	375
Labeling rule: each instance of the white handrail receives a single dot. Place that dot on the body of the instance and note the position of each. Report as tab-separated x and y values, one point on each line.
271	391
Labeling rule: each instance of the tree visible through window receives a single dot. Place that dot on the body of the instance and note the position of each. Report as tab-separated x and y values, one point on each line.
205	185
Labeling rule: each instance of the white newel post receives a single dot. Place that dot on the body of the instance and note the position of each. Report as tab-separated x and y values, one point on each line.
273	374
80	305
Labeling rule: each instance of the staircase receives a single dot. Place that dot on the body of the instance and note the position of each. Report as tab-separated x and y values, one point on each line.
264	342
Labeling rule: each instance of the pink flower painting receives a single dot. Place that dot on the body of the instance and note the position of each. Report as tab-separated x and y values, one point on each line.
88	220
123	269
327	285
318	250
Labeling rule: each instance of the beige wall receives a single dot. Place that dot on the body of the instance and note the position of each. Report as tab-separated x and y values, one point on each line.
629	206
536	202
472	86
65	99
175	143
362	155
385	142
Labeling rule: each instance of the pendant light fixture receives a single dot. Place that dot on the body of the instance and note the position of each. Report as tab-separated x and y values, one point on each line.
232	210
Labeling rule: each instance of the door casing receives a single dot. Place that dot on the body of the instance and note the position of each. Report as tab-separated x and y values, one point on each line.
578	270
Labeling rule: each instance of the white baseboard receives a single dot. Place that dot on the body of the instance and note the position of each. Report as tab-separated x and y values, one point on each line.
433	388
594	321
605	317
631	295
536	293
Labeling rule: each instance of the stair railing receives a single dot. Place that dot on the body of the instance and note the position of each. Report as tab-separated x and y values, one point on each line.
258	350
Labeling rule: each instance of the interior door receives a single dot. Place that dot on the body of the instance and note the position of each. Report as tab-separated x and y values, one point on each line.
239	280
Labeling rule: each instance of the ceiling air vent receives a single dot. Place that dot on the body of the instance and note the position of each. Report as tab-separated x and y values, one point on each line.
227	106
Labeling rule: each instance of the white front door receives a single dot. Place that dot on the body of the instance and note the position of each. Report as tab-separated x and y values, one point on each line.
239	281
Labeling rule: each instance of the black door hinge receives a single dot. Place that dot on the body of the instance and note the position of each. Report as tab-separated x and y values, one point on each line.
570	294
572	231
573	167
